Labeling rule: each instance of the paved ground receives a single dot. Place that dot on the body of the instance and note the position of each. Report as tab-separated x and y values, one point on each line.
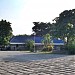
19	56
63	65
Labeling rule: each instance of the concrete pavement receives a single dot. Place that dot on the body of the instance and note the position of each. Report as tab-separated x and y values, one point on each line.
20	56
63	65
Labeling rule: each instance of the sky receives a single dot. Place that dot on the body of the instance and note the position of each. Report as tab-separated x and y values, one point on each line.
22	13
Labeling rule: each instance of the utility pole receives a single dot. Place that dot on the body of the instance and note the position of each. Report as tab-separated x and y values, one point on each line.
34	42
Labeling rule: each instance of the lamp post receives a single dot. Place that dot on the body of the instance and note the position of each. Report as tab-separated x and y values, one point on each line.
34	41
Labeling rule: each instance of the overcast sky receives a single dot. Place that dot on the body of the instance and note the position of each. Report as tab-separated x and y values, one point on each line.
22	13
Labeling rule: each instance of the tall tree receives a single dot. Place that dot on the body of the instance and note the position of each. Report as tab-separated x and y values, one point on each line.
5	32
41	28
65	25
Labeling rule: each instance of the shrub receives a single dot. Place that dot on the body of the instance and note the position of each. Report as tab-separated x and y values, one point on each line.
70	49
30	45
48	48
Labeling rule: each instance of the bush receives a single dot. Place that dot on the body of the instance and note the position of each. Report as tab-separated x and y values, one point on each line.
70	49
30	45
48	48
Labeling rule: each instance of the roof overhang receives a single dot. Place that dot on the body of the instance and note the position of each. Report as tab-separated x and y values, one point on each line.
16	43
39	43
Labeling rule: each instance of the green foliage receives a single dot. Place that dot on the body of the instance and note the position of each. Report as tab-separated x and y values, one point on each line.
41	28
48	48
70	49
65	29
65	25
5	32
30	45
47	40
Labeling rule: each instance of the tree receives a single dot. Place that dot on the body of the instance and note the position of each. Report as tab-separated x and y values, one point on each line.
65	25
29	45
5	32
47	40
42	28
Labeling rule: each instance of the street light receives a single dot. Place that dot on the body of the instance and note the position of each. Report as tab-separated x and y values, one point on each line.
34	41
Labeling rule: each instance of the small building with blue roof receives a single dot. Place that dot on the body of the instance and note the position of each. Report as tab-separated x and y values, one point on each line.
18	42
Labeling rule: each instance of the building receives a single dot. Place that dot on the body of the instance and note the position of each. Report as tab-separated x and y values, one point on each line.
18	42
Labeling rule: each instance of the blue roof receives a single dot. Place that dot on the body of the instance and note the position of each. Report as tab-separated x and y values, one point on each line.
58	41
22	39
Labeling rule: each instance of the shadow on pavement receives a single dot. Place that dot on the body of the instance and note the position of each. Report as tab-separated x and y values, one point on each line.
31	57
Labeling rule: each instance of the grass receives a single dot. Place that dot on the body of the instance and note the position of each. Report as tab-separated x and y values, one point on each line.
40	52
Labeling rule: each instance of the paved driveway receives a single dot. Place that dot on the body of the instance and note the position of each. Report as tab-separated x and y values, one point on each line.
45	65
22	56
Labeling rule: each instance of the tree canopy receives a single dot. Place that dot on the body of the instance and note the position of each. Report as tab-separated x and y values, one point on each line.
62	27
41	28
65	25
5	32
